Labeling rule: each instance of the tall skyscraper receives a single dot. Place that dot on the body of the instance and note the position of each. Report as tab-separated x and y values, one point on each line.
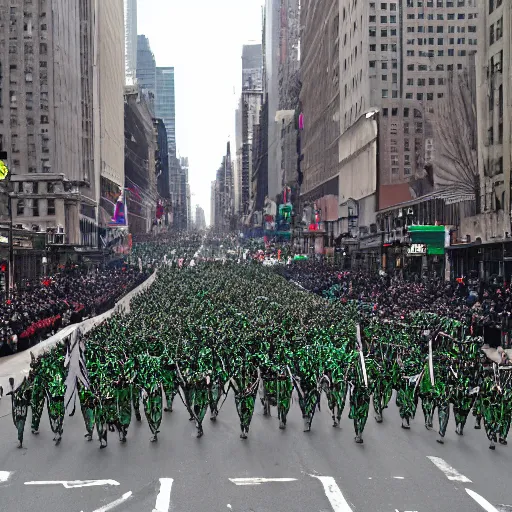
397	57
165	106
46	115
252	97
130	41
146	67
494	100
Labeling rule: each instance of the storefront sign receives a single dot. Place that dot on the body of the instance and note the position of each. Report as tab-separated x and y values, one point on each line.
417	250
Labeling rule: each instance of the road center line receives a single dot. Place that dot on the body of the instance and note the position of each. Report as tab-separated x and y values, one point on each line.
73	484
163	500
4	476
334	494
259	481
114	504
450	472
482	501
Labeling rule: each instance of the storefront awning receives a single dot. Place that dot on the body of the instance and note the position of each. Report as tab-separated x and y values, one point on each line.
432	236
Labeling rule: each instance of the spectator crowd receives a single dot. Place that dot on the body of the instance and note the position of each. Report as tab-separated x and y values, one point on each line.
37	311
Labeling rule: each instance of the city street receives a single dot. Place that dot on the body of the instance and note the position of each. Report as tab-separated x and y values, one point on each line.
274	471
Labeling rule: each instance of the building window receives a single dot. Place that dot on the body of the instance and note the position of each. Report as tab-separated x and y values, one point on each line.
406	128
499	29
20	208
51	207
407	171
394	171
35	207
384	93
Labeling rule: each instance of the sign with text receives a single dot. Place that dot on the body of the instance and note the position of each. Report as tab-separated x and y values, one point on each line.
417	250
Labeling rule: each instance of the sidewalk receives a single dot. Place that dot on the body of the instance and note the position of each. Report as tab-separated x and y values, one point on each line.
18	365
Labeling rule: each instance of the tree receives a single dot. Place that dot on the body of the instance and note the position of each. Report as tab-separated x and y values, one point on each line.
456	152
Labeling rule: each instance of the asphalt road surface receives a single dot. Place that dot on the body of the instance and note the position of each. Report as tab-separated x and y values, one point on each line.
273	471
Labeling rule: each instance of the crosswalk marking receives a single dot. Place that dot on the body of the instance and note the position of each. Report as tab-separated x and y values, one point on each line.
482	501
259	481
163	500
73	484
334	494
4	476
450	472
114	504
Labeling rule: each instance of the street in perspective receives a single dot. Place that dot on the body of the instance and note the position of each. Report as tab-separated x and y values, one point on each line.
255	256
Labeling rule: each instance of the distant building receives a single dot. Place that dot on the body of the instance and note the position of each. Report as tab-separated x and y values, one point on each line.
140	163
200	223
146	69
252	98
165	106
162	161
130	41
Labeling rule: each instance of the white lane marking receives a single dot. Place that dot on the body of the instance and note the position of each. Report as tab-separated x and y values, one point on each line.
482	501
163	500
4	475
334	494
73	484
398	477
114	504
449	472
259	481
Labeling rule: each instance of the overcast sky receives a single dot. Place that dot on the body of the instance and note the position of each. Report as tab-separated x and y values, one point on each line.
203	40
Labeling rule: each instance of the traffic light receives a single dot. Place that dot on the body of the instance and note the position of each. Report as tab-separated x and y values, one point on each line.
3	267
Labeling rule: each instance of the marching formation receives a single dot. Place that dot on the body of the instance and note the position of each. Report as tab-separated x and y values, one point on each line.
201	332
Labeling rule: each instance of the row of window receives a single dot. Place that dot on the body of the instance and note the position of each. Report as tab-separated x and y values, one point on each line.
429	3
421	53
24	208
441	3
420	96
441	41
385	19
35	187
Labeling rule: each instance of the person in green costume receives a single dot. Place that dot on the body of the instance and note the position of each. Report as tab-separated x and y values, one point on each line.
20	400
245	381
123	395
38	393
150	381
169	382
86	398
55	397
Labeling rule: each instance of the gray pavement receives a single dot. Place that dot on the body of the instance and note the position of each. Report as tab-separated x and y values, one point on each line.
390	472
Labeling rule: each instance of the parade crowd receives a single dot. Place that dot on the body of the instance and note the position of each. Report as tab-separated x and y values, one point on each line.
207	331
36	312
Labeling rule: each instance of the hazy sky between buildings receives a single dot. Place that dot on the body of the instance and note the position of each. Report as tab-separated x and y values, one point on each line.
203	40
